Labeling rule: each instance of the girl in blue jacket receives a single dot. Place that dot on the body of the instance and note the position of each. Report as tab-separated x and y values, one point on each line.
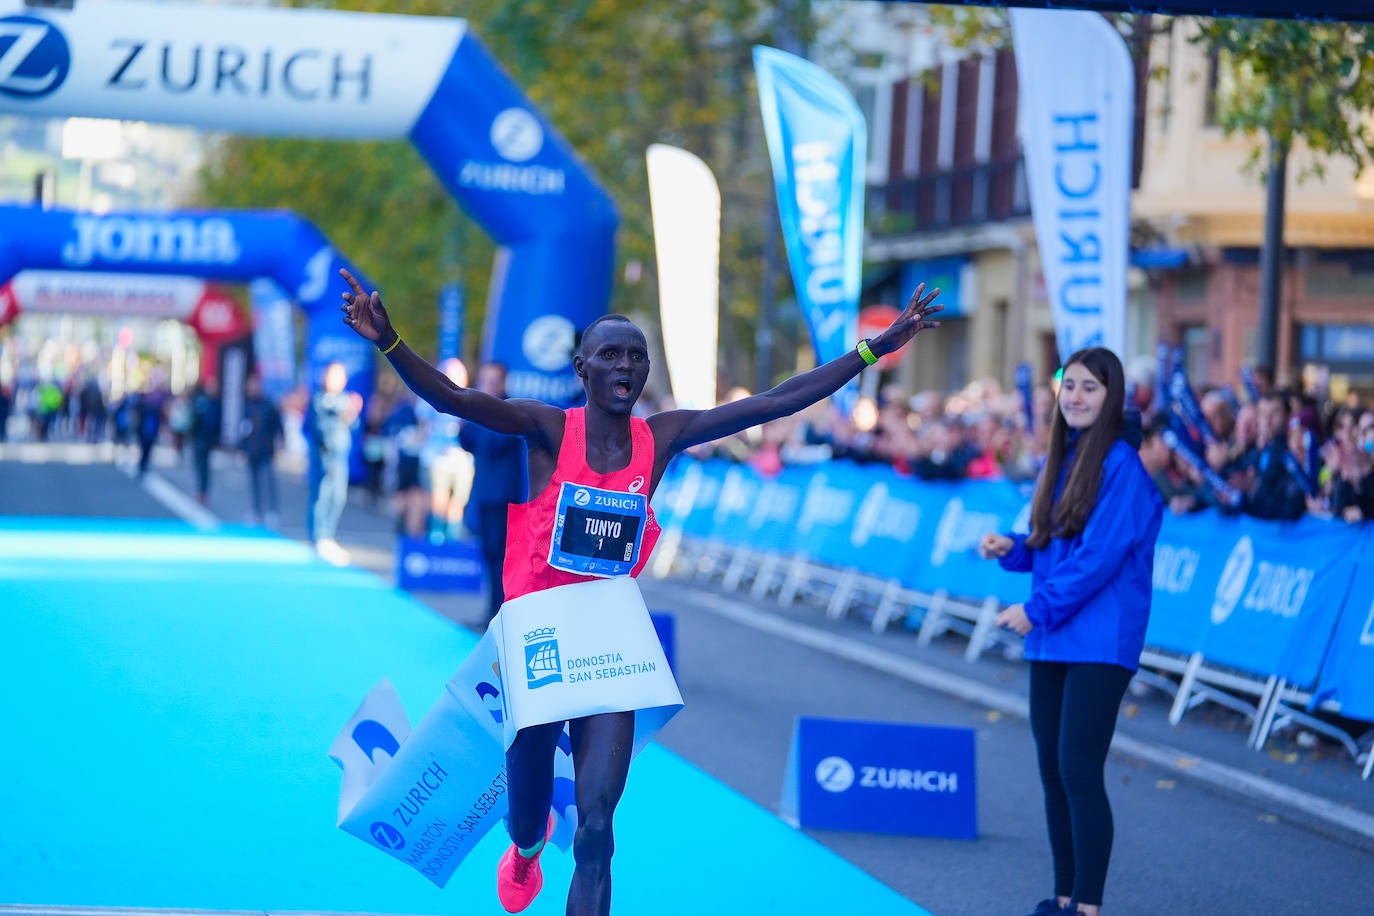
1090	553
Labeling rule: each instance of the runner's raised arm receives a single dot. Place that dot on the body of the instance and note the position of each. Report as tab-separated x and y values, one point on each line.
681	429
366	315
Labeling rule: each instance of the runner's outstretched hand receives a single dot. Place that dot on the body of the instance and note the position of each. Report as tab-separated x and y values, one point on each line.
914	319
365	314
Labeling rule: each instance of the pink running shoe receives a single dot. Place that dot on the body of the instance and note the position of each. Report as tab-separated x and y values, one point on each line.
518	879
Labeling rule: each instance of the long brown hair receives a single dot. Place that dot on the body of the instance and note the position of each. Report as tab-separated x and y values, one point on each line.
1067	517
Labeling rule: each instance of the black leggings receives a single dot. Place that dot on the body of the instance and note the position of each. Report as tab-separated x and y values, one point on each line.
1073	711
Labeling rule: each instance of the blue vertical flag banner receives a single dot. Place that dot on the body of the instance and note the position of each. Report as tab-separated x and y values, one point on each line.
818	144
1026	390
1077	109
1185	401
451	303
274	337
1163	366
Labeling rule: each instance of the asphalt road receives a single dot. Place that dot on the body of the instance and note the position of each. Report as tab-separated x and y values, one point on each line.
1188	841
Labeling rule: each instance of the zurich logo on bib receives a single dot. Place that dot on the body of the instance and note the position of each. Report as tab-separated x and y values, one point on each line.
34	57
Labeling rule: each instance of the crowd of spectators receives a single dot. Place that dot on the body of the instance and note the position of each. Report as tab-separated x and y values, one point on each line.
1281	454
1276	453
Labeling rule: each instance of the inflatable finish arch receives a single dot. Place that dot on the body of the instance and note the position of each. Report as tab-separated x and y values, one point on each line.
230	246
263	70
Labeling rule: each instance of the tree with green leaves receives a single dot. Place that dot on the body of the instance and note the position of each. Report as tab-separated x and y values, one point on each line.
1283	82
612	77
1291	82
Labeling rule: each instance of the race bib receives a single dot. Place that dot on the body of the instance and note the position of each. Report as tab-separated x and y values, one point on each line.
597	532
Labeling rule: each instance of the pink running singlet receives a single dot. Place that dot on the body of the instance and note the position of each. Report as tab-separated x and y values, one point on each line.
531	524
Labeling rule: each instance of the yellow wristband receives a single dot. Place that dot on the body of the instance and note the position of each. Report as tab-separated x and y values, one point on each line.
866	353
394	343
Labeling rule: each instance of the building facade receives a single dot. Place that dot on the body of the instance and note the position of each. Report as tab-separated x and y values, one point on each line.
948	203
1196	195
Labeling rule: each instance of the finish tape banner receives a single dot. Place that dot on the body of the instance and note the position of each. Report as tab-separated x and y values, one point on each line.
428	797
324	73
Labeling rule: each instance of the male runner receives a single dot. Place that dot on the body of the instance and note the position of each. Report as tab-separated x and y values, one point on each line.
601	448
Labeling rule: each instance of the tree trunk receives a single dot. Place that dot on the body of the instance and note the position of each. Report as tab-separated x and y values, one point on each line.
1271	261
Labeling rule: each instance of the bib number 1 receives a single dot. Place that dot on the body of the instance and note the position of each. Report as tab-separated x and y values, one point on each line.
597	532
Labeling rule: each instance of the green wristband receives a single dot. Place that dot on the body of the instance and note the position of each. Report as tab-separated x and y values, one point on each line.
866	353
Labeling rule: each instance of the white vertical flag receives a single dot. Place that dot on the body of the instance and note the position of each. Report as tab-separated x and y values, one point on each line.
685	201
1077	118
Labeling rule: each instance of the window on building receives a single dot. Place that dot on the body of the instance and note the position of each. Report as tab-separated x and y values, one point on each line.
966	103
1005	153
1195	351
954	343
1209	109
1191	284
874	98
1224	79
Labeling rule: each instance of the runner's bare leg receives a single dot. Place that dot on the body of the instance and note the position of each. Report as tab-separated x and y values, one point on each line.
601	762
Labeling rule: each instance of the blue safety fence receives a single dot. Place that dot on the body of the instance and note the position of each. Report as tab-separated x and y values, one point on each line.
1279	614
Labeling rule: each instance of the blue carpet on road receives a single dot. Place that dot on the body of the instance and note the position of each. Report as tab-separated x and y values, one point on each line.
170	699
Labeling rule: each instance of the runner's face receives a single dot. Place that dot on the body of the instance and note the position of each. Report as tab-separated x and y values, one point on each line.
615	367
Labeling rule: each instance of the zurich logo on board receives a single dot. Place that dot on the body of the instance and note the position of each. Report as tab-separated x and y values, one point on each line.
34	57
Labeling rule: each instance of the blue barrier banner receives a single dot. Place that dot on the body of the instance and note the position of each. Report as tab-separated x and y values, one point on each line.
826	519
818	145
964	512
701	488
773	521
882	777
1261	597
1347	675
453	566
1190	556
922	534
739	493
892	529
